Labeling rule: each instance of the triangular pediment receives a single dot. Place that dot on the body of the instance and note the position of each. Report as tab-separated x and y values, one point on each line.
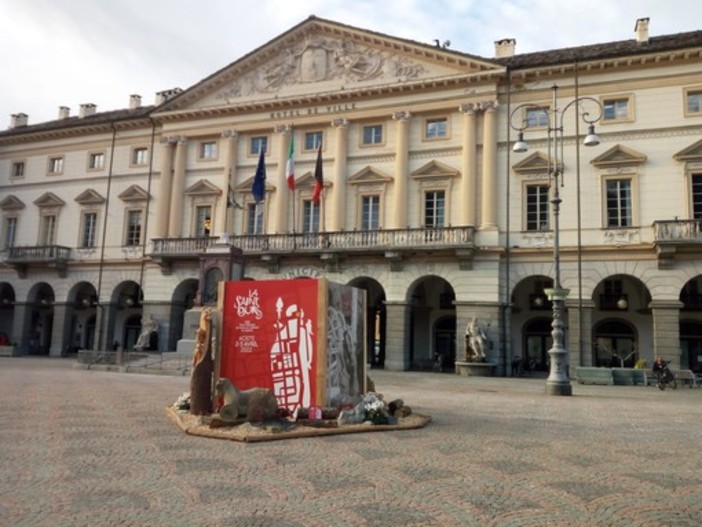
245	186
369	175
49	199
618	156
536	163
318	57
203	188
691	153
307	180
435	169
134	193
89	197
11	203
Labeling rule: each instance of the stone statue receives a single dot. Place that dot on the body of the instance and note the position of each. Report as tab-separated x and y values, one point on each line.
255	404
148	326
476	341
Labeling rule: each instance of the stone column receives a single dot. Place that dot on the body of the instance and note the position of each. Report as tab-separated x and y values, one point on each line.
399	205
579	345
279	204
396	335
225	218
175	222
666	330
489	180
338	209
20	327
163	197
58	330
469	177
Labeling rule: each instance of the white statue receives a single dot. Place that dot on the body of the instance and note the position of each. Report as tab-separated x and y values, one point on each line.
148	326
476	340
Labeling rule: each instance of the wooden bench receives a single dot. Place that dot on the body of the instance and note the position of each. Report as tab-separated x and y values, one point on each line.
589	375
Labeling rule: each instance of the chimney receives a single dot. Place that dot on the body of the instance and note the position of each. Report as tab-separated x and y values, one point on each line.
87	109
18	119
64	112
641	29
505	47
166	95
134	101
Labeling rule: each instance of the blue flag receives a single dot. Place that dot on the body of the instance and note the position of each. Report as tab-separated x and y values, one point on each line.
258	189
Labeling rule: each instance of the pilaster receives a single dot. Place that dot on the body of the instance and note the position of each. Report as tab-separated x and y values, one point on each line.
175	222
163	197
225	220
489	179
279	208
338	214
399	217
469	169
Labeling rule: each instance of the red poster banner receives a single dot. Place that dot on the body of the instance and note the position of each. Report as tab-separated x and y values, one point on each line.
269	338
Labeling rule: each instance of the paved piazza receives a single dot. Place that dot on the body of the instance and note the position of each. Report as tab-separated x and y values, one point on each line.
93	448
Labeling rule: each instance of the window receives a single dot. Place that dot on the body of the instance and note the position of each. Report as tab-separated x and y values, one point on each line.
310	217
258	143
133	228
537	208
254	223
373	135
18	169
87	239
313	140
697	196
47	235
693	100
96	161
10	231
537	117
55	165
208	150
370	213
435	128
140	156
616	109
203	221
619	203
434	209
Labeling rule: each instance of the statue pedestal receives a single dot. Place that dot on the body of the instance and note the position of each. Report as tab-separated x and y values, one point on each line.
475	369
191	321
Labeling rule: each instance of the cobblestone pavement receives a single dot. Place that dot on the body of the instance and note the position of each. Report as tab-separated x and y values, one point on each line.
94	448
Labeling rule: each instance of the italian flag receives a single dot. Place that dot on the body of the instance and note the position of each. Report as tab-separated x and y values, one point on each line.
290	168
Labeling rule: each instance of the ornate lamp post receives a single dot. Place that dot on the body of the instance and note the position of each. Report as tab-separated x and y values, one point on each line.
557	382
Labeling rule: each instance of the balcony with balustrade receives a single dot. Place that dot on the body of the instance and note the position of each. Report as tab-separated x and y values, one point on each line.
676	236
394	245
21	258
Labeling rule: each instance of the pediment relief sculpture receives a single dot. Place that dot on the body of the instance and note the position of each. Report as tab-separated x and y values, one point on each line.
318	60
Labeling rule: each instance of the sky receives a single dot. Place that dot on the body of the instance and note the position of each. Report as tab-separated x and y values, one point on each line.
68	52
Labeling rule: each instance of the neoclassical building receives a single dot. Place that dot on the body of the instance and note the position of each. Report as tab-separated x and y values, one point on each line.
105	214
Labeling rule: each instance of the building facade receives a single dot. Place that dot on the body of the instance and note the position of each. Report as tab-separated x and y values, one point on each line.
105	215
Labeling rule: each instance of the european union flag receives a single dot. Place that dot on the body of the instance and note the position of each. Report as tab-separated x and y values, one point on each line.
258	189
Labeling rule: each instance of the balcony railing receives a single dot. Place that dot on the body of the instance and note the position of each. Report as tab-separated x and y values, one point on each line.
326	242
678	231
22	257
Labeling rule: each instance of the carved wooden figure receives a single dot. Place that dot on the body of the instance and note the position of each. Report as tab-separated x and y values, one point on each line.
201	378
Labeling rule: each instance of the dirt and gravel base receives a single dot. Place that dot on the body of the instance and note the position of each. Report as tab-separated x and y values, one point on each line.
248	433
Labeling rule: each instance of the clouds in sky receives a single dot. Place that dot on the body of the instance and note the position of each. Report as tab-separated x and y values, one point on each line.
67	52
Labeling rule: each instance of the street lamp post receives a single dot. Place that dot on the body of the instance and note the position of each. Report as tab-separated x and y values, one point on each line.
557	382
